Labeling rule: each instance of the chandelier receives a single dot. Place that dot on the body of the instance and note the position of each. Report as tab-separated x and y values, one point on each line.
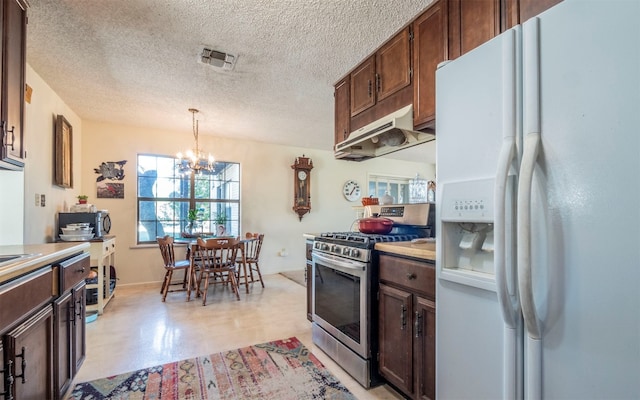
195	160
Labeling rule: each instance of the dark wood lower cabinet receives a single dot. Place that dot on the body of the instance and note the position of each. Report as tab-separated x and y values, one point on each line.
28	353
407	326
70	337
42	330
79	326
395	337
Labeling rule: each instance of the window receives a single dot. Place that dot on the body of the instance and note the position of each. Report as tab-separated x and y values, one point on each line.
165	198
397	186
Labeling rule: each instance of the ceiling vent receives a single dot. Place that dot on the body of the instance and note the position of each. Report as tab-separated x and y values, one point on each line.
218	59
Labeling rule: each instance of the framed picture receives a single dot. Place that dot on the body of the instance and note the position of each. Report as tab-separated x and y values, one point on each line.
63	153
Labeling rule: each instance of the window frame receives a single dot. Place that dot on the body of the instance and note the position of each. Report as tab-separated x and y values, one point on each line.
232	204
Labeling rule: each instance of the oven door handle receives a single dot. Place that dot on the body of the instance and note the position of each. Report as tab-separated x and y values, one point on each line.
340	263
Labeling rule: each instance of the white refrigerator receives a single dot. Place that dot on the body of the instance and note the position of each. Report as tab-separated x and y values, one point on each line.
538	217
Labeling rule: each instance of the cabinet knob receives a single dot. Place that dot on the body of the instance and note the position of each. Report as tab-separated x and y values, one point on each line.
411	276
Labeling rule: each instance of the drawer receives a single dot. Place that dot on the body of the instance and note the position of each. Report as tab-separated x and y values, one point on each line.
24	295
103	249
418	276
73	270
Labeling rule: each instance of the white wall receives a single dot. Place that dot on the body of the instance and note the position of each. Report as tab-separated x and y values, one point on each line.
266	196
30	223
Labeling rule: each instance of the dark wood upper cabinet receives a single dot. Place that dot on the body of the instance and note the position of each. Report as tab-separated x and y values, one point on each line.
429	49
13	53
471	23
518	11
362	86
342	115
393	65
383	74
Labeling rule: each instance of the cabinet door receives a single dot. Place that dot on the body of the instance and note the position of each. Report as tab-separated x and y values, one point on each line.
79	338
342	114
29	347
471	23
425	353
395	341
362	86
518	11
63	338
393	65
429	49
14	21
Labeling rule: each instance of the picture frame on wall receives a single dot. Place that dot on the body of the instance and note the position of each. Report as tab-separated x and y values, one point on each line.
63	174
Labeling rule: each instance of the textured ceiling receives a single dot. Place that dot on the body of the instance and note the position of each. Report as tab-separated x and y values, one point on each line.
135	62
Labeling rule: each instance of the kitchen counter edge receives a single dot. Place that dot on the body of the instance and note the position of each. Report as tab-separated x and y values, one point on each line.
47	254
424	251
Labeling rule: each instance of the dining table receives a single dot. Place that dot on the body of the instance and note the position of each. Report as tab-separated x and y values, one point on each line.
192	246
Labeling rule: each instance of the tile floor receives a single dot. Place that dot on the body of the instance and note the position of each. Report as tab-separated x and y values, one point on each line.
137	330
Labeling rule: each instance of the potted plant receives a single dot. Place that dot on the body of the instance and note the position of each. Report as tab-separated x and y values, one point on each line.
82	199
192	216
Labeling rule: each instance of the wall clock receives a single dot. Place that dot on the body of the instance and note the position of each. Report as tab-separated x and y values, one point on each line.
351	190
302	185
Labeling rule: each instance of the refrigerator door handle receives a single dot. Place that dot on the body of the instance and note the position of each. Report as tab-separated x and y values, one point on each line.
531	97
525	284
510	309
532	126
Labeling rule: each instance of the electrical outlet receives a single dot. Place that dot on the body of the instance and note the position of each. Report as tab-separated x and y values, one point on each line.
42	200
37	200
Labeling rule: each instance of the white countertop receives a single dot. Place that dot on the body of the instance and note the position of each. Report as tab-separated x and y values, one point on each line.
41	255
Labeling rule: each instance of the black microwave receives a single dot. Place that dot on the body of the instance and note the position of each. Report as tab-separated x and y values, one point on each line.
99	221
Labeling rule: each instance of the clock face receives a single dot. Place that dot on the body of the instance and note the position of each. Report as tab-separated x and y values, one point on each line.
351	191
302	175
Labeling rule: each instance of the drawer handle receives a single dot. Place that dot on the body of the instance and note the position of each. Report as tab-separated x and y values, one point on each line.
81	270
411	276
418	324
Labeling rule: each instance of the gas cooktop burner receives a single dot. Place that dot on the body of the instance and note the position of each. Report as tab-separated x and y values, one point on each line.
365	238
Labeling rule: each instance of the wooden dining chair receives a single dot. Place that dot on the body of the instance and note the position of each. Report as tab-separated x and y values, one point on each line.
252	249
218	260
171	265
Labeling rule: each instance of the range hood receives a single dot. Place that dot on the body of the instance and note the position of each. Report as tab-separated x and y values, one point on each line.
386	135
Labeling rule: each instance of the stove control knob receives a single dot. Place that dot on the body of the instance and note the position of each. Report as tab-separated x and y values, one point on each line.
355	253
345	251
335	249
324	246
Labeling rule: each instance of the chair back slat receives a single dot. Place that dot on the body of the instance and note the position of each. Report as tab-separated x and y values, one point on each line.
253	246
166	249
218	253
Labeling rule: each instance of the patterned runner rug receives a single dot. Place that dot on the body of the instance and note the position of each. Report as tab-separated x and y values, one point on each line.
283	369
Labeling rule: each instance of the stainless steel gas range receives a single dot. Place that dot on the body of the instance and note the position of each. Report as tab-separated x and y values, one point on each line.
344	283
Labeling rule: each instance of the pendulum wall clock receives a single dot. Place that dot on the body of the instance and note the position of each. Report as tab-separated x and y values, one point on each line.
302	185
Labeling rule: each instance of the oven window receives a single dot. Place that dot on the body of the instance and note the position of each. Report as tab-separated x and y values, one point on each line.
337	300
